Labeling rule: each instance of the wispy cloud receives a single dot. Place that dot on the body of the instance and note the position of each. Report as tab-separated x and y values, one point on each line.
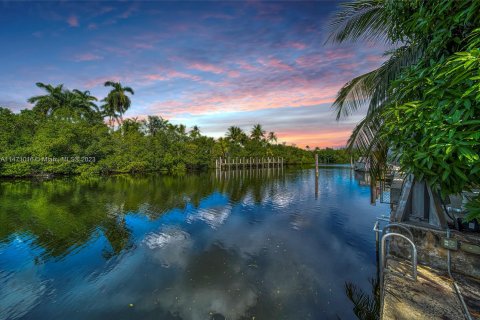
99	81
297	45
168	75
86	57
275	64
92	26
206	67
73	21
254	61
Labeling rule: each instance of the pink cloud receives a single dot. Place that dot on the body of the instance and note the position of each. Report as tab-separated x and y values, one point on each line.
233	74
206	67
376	58
297	45
127	13
275	63
311	60
166	75
241	98
220	16
140	45
165	108
348	65
247	66
155	77
73	21
339	54
329	57
99	81
334	137
86	57
92	26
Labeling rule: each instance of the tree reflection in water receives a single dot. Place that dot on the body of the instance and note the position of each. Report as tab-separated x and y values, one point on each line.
365	306
62	215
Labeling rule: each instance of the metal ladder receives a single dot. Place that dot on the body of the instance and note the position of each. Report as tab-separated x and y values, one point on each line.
384	238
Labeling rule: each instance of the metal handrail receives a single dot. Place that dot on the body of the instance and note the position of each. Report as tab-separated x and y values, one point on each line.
377	230
382	256
398	225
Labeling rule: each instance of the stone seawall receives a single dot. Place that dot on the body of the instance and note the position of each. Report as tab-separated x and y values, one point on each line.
431	252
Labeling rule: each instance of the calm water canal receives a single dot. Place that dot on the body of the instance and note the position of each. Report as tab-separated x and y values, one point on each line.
250	246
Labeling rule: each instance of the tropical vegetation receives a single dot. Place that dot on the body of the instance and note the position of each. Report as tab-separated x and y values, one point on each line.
66	132
424	100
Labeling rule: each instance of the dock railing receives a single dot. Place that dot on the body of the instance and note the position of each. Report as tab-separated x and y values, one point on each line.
248	162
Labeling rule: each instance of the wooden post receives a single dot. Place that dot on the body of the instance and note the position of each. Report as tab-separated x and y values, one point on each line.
316	164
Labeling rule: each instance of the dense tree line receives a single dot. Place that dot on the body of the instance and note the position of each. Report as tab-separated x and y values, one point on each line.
66	132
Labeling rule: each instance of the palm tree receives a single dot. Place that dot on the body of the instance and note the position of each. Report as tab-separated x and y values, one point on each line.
155	124
83	101
272	137
117	102
65	103
181	129
132	125
84	98
110	112
368	20
195	132
257	132
54	99
222	142
235	134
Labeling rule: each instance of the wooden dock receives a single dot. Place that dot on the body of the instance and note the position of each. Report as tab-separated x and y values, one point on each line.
248	162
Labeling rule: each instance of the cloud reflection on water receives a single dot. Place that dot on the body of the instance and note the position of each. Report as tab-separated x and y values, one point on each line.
286	256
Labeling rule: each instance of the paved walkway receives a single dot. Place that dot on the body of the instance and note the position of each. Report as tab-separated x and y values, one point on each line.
432	296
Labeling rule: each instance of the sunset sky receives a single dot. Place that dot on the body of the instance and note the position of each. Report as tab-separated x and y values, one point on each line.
213	64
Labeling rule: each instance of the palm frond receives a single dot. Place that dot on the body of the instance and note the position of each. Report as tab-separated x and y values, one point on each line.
354	94
365	307
361	19
109	83
366	139
372	88
128	89
390	70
